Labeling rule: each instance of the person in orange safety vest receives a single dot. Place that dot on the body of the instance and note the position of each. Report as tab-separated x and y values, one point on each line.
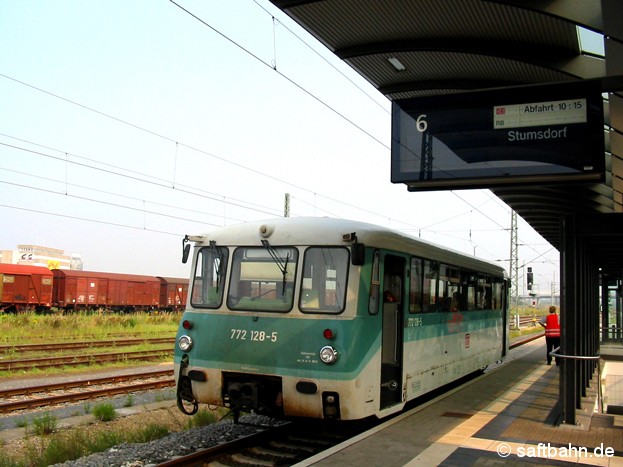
551	323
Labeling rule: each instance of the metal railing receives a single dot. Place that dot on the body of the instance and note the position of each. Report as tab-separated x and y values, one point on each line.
600	402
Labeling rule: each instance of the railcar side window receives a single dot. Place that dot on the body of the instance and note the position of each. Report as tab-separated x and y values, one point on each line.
262	279
209	277
450	296
484	294
325	280
431	269
415	288
375	286
497	294
469	286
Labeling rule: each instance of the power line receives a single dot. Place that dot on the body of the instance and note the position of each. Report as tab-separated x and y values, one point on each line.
66	216
119	120
319	55
70	195
287	78
156	182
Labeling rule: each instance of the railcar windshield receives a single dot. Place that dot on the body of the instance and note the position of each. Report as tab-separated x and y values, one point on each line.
262	279
209	277
325	279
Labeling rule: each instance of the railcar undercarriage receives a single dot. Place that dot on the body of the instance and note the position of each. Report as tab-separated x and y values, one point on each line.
261	394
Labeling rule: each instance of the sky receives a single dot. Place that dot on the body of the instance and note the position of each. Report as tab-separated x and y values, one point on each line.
126	125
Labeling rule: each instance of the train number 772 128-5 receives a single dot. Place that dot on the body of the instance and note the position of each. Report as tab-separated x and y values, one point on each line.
258	336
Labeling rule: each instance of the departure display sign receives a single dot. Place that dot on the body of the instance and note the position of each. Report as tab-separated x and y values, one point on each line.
545	134
539	114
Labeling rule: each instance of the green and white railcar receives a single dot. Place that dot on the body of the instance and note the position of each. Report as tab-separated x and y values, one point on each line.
333	319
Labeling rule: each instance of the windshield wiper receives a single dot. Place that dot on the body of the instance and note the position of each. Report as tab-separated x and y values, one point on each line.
283	266
217	254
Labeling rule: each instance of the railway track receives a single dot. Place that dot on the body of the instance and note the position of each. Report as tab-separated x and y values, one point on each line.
285	444
525	340
88	359
94	337
281	445
21	401
7	349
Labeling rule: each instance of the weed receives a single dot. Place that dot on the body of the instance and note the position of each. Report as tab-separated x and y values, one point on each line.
104	412
62	447
58	326
202	418
22	423
149	433
129	402
130	323
44	424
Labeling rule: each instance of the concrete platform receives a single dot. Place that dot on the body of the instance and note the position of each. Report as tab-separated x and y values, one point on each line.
504	417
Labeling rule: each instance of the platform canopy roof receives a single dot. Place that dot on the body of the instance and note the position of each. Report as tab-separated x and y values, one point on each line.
449	46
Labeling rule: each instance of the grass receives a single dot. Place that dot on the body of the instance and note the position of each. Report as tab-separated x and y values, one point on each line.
58	327
65	445
525	331
45	424
129	402
51	445
202	418
29	328
104	412
45	443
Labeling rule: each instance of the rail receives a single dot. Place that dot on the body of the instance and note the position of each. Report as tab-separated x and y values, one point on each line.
522	321
611	334
600	402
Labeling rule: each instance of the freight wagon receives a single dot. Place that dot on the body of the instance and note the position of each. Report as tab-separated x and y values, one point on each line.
25	288
88	290
173	293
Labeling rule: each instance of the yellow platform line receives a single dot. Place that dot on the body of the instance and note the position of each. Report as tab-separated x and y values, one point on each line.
462	434
597	455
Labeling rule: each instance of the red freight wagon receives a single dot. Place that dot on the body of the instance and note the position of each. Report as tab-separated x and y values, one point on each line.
25	287
173	293
91	290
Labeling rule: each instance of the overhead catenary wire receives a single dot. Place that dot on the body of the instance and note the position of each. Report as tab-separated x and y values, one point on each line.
324	59
223	159
180	188
162	183
110	193
284	76
173	140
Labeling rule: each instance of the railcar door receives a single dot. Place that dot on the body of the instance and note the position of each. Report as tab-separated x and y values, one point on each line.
392	311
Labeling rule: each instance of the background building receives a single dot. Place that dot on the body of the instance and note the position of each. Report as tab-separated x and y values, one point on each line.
36	255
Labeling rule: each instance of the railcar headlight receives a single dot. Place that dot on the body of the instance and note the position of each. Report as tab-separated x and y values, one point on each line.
185	343
328	355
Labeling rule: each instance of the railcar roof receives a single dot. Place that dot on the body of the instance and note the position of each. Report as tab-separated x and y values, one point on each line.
173	280
6	268
105	275
328	231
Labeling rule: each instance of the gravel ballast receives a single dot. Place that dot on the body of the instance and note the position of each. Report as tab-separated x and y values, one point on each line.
174	444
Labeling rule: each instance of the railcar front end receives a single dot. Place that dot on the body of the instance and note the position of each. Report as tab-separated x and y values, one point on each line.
273	327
